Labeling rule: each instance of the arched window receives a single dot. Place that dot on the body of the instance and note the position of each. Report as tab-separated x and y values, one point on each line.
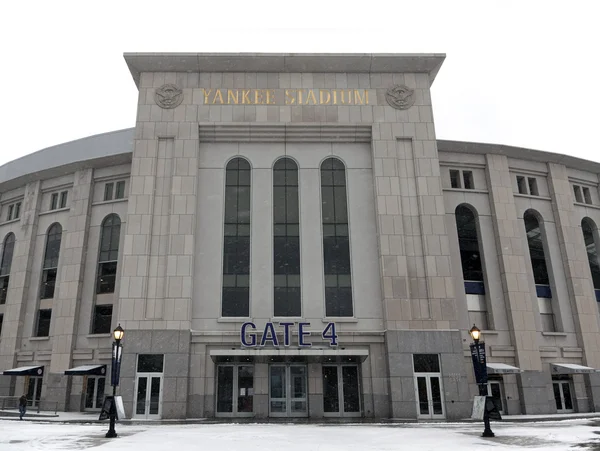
470	255
588	227
50	267
5	264
535	241
49	273
336	239
286	239
236	245
110	234
472	267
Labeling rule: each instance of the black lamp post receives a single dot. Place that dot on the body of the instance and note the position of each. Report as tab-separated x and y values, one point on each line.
117	351
479	366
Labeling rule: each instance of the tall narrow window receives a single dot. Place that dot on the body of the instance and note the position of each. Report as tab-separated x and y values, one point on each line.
472	269
470	255
336	242
51	255
49	273
109	254
236	246
286	240
588	228
535	241
5	264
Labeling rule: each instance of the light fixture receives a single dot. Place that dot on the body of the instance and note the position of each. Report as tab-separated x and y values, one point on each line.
475	333
118	333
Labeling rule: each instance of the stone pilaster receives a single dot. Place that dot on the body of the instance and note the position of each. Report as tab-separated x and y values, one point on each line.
14	313
513	258
65	307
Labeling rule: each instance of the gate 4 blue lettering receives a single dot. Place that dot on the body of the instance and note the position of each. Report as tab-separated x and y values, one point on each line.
249	337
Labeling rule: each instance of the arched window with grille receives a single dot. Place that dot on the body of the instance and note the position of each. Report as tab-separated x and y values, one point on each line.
236	244
588	227
286	239
49	275
336	239
536	243
472	264
8	248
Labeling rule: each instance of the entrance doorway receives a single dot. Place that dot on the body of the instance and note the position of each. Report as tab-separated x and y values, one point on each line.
341	391
428	386
94	392
149	386
495	390
235	390
288	391
34	390
562	395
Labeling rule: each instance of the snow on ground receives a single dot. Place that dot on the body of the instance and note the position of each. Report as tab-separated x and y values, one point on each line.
553	436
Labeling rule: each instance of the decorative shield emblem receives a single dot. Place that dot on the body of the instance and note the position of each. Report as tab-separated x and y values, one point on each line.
168	96
400	97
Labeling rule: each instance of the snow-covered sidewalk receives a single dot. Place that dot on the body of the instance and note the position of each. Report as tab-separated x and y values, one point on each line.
561	435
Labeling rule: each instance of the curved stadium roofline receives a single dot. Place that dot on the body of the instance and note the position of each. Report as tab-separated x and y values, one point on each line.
116	147
94	151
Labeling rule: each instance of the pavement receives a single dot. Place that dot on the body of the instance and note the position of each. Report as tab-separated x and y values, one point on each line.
92	417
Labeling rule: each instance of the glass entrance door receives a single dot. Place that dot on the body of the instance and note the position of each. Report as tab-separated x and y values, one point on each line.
148	388
94	392
562	396
235	390
429	396
34	390
497	394
288	391
341	393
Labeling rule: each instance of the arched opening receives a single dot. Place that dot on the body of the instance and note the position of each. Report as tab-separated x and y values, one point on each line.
5	265
589	228
236	245
336	239
472	265
286	240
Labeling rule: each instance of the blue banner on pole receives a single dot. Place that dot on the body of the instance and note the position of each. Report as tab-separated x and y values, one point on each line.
479	362
116	364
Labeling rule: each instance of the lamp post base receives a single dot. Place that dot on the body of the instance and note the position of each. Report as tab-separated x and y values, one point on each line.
487	431
111	434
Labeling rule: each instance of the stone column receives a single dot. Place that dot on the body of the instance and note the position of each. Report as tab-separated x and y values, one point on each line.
157	271
65	307
513	258
576	266
20	272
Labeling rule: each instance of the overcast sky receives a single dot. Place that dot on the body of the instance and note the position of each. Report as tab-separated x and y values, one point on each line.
523	73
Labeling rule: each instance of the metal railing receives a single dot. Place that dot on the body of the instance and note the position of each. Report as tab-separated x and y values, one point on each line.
12	402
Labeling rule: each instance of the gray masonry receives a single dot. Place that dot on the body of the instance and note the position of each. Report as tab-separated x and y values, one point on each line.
197	112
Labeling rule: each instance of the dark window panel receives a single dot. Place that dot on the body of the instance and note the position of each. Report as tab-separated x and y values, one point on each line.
336	245
48	283
536	250
108	191
4	280
426	363
468	243
63	199
7	254
236	245
454	178
120	190
150	363
587	228
53	241
43	323
107	276
522	184
102	319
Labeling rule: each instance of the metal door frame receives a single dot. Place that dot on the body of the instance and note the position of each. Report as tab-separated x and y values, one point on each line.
562	395
288	391
146	415
234	412
502	397
340	381
431	415
87	381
